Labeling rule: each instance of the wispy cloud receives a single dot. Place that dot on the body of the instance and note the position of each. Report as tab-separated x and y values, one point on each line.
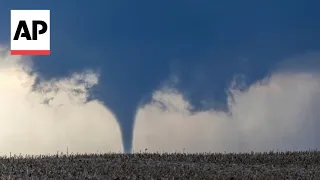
280	112
54	116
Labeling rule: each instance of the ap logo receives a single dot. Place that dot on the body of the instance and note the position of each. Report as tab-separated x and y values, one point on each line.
30	32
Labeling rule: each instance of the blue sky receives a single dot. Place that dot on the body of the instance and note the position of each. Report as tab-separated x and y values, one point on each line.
139	45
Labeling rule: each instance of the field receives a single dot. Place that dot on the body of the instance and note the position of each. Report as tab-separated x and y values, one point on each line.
271	165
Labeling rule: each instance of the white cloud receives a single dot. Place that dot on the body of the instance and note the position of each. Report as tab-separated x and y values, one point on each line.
29	126
281	112
278	113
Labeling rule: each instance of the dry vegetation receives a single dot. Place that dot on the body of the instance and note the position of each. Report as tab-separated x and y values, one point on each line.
272	165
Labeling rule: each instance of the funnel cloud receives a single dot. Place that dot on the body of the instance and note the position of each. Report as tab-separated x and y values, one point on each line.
278	112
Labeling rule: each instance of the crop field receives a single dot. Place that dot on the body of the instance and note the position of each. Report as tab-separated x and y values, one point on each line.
271	165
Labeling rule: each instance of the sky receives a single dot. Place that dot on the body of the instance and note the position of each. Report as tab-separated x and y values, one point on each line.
167	76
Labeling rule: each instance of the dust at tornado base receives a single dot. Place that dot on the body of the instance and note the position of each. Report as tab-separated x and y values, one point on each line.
271	165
